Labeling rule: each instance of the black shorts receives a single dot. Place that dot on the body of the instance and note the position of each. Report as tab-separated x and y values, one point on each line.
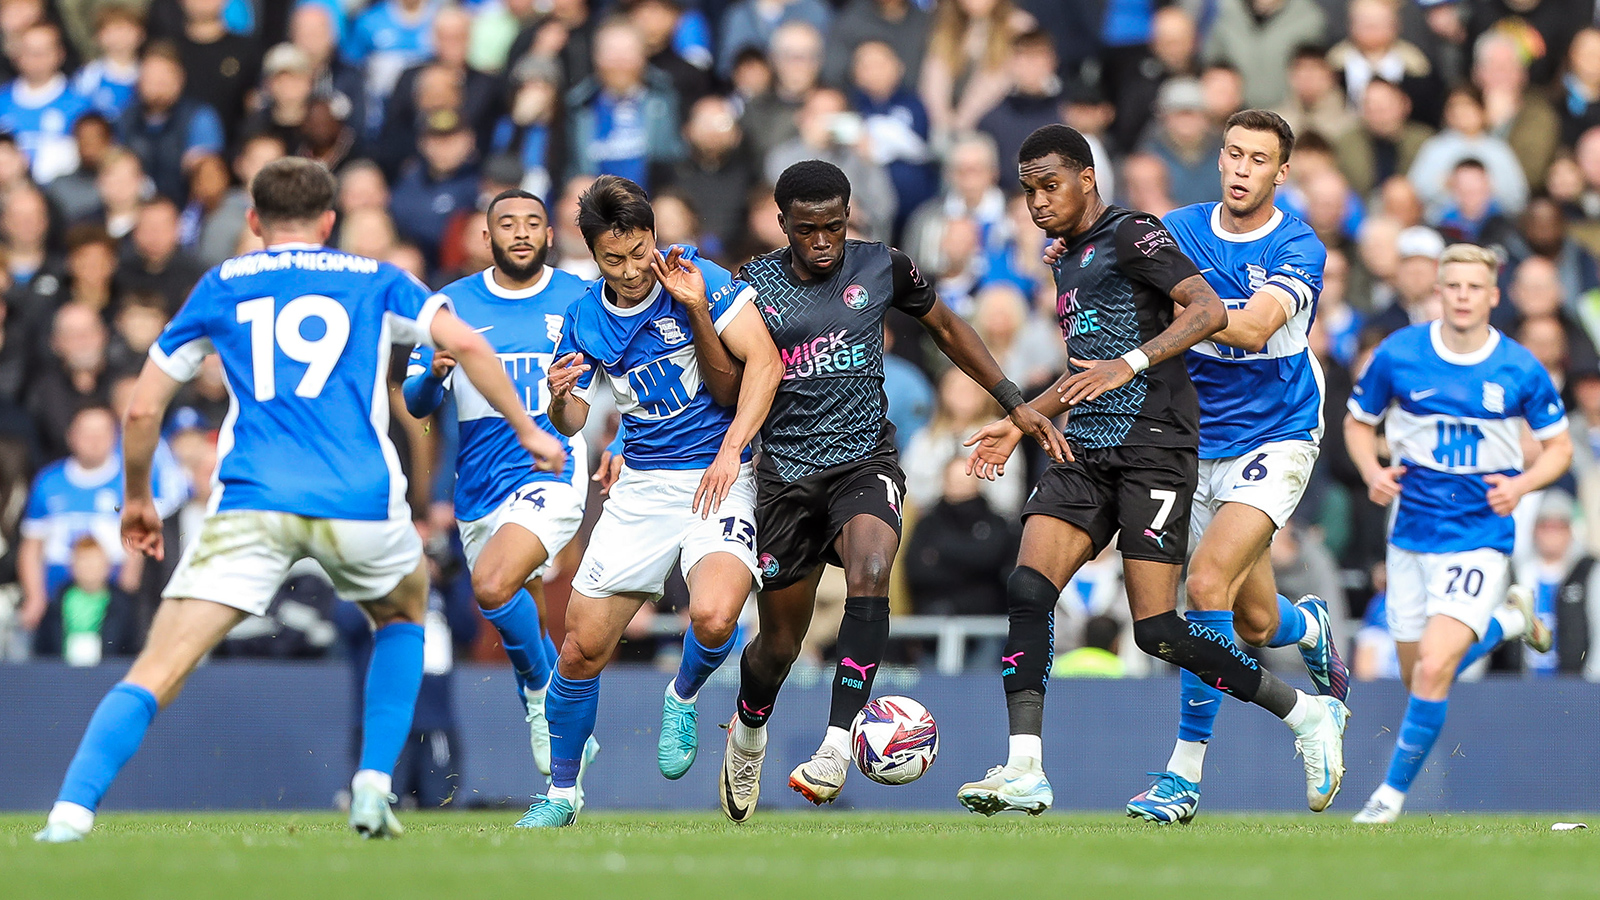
1145	492
797	522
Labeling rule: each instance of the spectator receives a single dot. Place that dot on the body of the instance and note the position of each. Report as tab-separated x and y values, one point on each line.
678	223
286	98
89	617
1545	28
109	82
1580	86
1258	39
221	66
1027	348
1544	233
714	171
1301	565
896	126
75	195
91	266
327	136
207	231
960	551
1546	338
1536	294
972	191
123	190
754	23
1375	50
763	234
657	22
207	395
40	107
1522	117
623	120
154	261
571	252
535	129
1566	589
1399	200
139	320
1223	91
386	39
964	73
74	497
361	187
312	30
1083	107
1035	101
769	119
1584	417
26	221
165	129
1466	136
1385	142
1173	53
962	409
1414	296
1315	102
1183	138
901	24
225	223
828	132
1147	184
565	33
1472	215
476	96
909	395
494	30
1336	319
1098	656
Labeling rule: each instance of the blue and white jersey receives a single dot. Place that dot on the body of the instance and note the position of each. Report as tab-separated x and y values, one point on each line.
1451	419
1248	399
646	354
109	90
68	502
304	334
524	327
42	122
386	42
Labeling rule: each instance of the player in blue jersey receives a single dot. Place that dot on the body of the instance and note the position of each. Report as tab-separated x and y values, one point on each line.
1454	397
512	517
1260	392
305	469
687	490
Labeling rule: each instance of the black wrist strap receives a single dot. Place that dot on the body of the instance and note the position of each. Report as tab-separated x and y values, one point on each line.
1008	394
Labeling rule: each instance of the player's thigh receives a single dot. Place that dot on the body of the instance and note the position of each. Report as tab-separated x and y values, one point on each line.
1271	478
530	527
1238	539
1445	641
730	531
791	529
181	634
1055	548
1467	586
239	559
1153	488
594	626
635	542
407	601
1406	603
719	585
373	562
865	520
1069	518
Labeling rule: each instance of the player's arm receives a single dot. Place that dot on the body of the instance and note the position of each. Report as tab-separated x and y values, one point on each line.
141	432
1251	326
30	574
748	340
1555	457
719	369
426	375
484	369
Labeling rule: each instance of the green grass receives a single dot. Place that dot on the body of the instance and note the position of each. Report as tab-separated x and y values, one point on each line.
847	856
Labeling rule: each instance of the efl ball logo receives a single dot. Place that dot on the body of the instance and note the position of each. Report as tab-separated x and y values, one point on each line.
855	296
1088	257
769	565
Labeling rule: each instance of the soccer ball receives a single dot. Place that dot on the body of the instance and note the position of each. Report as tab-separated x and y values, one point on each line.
894	740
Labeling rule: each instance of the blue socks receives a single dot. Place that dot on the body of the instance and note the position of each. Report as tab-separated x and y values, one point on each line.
1423	721
570	706
394	676
1200	701
1291	624
551	654
698	663
113	736
518	623
1492	636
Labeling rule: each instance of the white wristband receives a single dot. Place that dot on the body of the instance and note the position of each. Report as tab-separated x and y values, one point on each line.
1137	360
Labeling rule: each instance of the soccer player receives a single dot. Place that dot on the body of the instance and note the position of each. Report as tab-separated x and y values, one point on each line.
305	469
1453	396
1260	392
829	481
1134	468
512	518
687	489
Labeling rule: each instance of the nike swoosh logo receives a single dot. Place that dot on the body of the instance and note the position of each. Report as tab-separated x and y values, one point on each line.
1202	702
1208	269
483	329
735	813
1423	395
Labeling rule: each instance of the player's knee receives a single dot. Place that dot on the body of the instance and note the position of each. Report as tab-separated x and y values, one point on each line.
581	657
1207	589
1030	593
1433	673
493	588
713	627
1159	636
868	574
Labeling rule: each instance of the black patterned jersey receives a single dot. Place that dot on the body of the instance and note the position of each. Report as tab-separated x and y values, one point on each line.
830	408
1113	293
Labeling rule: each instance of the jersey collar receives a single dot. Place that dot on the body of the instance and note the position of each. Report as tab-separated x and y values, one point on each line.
33	98
294	245
495	289
1436	335
80	477
636	310
1256	235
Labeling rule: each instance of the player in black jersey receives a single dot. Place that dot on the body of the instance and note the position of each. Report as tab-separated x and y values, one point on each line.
828	478
1134	427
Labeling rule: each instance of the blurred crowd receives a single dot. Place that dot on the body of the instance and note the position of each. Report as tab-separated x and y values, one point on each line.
128	129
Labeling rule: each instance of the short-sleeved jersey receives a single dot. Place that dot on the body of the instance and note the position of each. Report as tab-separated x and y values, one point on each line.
110	92
646	354
524	327
68	502
42	122
1246	398
830	407
304	335
1451	419
1113	293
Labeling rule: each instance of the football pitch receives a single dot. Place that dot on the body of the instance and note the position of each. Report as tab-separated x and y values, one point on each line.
844	855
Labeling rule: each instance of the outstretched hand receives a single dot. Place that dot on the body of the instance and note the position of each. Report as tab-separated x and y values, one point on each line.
991	446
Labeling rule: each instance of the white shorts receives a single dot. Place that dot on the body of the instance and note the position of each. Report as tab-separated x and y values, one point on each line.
1467	585
241	557
551	511
648	523
1271	478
